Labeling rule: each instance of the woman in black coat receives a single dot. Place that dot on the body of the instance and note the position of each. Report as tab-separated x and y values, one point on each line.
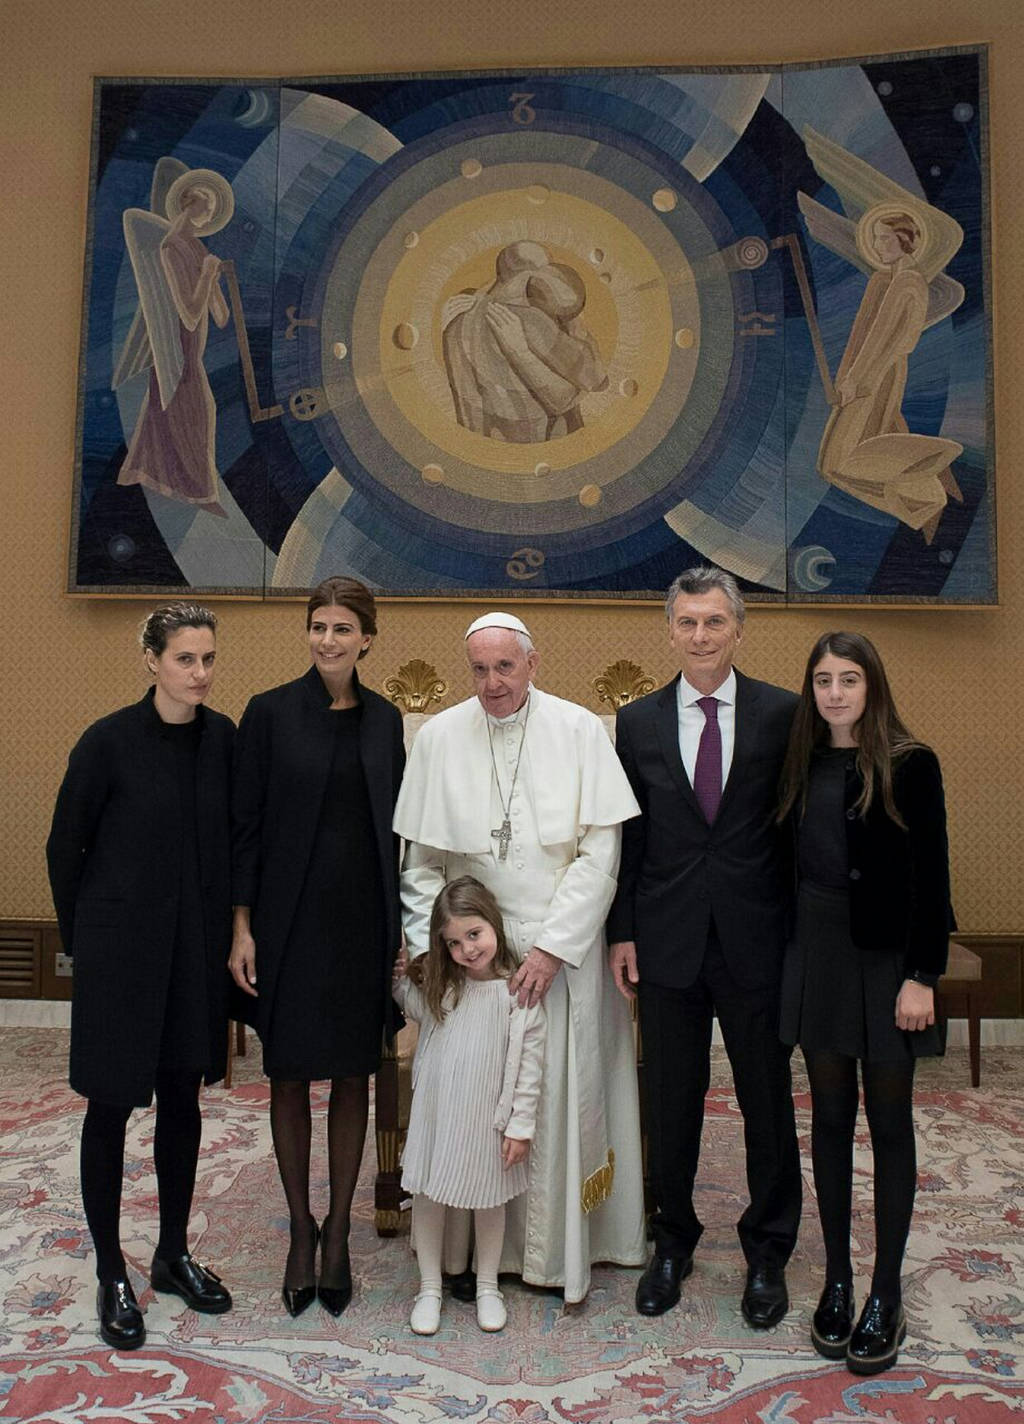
139	861
872	933
317	923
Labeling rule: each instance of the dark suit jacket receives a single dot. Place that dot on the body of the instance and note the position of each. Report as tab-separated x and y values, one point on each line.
678	872
282	763
899	879
114	857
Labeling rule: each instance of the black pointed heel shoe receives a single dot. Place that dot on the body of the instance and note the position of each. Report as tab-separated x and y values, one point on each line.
334	1298
299	1298
832	1323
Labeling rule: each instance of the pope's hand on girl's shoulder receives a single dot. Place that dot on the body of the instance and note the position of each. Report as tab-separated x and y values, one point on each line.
915	1006
514	1149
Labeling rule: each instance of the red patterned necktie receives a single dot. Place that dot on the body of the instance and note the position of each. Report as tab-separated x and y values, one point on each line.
707	773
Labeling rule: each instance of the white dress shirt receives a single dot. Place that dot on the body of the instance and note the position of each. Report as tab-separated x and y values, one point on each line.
692	722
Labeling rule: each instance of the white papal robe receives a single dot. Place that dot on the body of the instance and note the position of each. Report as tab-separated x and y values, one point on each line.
585	1197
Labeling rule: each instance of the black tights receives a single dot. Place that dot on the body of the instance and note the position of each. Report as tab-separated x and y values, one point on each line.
888	1105
175	1155
291	1126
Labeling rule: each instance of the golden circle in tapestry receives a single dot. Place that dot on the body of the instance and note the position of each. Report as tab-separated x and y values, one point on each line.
411	401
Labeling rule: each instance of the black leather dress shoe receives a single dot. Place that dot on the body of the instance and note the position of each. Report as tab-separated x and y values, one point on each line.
832	1323
463	1286
198	1287
765	1298
658	1287
876	1337
121	1323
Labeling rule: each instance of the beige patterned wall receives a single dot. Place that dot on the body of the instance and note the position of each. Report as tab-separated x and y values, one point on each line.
958	676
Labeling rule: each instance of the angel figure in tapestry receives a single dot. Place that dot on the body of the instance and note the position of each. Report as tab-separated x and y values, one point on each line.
172	448
903	244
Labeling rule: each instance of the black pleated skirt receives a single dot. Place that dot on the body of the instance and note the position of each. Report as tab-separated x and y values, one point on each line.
839	998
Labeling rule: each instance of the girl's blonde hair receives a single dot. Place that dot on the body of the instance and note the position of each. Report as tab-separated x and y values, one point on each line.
442	979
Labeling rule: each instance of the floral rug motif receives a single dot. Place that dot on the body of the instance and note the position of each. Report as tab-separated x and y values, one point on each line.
594	1363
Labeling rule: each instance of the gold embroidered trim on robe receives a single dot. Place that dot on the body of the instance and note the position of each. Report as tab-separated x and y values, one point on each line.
598	1186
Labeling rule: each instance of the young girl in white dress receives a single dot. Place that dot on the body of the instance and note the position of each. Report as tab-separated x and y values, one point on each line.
476	1082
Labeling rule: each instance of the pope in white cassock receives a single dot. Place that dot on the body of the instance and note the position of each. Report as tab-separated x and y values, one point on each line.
524	791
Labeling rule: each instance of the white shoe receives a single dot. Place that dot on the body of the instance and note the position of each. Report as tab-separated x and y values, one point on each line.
425	1316
490	1310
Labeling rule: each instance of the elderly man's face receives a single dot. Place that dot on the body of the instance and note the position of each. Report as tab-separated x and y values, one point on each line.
501	670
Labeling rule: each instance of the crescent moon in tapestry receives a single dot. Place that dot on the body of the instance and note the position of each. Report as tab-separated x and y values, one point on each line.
542	334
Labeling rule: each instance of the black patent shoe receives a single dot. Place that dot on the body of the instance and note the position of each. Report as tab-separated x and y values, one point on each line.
335	1297
121	1322
876	1337
299	1298
765	1299
832	1323
197	1285
463	1285
658	1287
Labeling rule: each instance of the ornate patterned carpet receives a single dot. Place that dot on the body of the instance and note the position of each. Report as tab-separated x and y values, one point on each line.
590	1364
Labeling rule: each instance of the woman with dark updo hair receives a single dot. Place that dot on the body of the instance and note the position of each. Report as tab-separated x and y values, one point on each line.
140	868
316	913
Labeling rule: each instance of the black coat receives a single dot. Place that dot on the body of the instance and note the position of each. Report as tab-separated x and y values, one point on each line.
282	765
114	857
677	871
899	879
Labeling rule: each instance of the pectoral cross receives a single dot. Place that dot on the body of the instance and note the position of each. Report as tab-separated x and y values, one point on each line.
503	835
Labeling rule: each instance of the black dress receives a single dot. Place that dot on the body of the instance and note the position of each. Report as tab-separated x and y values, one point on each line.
835	996
185	1041
325	1021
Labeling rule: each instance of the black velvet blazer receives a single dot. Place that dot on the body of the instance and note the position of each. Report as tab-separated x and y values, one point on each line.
899	879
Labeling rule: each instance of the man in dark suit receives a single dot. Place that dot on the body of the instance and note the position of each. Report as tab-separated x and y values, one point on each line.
698	928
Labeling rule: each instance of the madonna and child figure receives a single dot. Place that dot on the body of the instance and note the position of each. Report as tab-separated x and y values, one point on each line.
519	357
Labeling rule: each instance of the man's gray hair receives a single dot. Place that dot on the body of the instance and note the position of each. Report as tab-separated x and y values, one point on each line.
705	579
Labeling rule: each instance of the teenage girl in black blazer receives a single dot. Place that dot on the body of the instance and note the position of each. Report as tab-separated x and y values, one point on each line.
872	931
317	924
139	861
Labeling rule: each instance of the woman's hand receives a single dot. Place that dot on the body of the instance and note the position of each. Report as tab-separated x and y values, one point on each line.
513	1150
242	960
915	1006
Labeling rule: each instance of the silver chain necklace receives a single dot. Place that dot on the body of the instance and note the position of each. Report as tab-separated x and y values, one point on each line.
503	834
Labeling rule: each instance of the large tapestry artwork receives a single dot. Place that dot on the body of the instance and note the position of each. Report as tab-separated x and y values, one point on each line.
545	333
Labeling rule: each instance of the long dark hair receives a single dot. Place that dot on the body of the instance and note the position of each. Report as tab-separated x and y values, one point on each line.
440	974
882	737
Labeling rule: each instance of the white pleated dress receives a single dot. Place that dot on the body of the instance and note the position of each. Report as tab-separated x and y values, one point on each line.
453	1146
